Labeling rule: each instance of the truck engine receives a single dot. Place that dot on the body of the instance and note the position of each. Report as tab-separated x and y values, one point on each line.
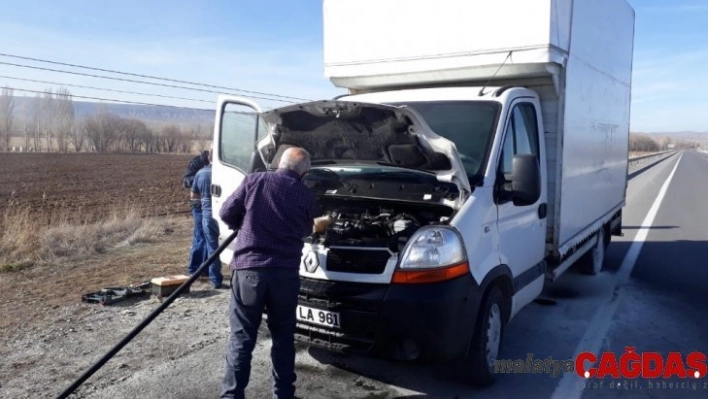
363	223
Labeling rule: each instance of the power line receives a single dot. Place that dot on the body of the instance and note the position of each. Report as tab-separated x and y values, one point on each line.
149	76
119	101
130	80
105	89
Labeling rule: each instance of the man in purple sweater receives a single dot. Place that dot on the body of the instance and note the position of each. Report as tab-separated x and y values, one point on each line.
273	212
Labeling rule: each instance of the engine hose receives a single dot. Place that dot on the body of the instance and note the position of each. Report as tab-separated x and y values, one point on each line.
76	384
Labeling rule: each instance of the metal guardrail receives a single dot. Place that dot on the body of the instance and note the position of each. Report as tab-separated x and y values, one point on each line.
636	163
653	154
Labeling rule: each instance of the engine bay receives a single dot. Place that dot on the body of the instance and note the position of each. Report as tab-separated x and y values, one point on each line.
370	223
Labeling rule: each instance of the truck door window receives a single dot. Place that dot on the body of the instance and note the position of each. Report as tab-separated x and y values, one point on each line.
524	120
237	136
521	135
521	138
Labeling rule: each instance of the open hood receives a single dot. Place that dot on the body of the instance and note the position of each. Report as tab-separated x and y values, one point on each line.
344	132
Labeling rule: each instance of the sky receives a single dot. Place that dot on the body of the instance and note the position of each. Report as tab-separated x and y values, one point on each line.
275	47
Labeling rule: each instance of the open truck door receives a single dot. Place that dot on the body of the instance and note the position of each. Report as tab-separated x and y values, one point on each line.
237	128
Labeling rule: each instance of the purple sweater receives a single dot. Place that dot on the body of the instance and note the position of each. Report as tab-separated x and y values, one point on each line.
273	212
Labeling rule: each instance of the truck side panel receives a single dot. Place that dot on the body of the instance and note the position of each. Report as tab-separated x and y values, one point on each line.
596	116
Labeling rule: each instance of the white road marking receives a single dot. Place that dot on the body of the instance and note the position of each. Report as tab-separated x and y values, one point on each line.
571	386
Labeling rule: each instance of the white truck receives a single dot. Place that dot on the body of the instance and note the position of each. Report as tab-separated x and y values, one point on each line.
480	152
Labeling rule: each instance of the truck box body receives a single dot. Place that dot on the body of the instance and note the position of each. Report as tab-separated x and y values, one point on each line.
576	54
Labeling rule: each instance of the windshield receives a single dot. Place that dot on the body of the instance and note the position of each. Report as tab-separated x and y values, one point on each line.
468	124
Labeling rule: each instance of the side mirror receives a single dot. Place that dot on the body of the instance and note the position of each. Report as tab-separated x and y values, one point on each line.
525	180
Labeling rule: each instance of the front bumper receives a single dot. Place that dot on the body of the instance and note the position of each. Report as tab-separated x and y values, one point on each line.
405	322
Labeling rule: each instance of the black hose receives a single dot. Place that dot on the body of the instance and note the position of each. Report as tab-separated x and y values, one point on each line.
68	391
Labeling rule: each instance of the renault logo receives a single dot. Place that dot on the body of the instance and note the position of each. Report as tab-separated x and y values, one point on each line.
311	262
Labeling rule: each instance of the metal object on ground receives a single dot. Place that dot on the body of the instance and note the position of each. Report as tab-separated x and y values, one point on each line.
111	295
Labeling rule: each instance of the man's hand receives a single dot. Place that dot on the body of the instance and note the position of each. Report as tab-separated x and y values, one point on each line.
321	224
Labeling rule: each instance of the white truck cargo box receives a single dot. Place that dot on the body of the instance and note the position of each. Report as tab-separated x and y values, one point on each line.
577	54
377	43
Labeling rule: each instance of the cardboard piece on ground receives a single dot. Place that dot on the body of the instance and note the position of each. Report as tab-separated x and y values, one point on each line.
164	286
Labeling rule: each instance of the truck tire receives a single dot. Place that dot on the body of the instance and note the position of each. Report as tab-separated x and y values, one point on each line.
595	258
478	366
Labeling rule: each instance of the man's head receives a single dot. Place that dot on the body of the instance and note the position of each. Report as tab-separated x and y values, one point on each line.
210	155
206	156
295	158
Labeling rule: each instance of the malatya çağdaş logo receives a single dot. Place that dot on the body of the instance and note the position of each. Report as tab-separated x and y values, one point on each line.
650	365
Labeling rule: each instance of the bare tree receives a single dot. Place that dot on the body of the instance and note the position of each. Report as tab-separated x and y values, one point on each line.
103	130
642	143
27	132
77	137
7	107
171	138
201	135
134	134
49	115
36	122
147	140
184	145
64	109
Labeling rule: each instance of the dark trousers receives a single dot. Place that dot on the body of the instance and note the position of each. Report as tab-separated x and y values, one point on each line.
254	290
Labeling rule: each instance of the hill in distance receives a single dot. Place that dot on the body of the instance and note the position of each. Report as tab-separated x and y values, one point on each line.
146	113
192	116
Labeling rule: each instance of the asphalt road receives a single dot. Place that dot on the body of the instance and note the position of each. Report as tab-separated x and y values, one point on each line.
651	295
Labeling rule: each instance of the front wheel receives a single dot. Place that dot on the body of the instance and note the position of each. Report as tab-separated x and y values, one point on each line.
478	367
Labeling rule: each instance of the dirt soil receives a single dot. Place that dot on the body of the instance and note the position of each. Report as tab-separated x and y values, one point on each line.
49	338
90	183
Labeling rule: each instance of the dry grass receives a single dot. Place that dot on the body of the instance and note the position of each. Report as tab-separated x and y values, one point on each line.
28	237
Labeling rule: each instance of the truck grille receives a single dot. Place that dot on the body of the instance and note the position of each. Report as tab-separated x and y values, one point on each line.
357	260
358	305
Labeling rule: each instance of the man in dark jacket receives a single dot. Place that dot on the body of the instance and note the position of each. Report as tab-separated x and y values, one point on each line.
198	252
273	211
195	164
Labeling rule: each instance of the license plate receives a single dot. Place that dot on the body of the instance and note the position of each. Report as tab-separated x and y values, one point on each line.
317	316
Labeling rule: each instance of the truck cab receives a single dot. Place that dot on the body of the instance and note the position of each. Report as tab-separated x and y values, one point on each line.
439	227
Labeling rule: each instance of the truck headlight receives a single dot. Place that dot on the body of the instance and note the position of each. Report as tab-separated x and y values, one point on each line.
433	254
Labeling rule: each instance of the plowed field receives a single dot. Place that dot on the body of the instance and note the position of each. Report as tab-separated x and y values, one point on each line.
93	184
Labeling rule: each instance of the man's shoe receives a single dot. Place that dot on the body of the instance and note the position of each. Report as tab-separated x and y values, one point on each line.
221	286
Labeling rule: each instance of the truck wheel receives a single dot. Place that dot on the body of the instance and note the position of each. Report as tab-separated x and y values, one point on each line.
486	342
594	259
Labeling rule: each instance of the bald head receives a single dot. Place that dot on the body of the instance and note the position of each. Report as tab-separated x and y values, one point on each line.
295	158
